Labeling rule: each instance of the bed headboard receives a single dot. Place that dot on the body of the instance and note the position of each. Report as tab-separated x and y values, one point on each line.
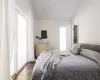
90	46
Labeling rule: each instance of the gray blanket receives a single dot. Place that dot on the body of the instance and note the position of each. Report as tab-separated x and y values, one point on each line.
57	65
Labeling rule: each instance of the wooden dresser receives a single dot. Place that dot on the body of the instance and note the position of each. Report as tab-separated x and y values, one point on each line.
42	47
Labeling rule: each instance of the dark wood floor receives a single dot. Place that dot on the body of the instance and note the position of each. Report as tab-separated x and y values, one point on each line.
26	72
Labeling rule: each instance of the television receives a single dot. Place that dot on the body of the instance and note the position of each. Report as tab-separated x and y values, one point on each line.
44	34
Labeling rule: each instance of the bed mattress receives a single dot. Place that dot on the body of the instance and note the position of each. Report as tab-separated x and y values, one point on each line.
72	67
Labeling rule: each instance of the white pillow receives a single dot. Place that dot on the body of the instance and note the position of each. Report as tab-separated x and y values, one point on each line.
75	49
91	55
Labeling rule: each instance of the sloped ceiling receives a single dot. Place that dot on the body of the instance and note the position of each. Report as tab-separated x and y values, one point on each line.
55	9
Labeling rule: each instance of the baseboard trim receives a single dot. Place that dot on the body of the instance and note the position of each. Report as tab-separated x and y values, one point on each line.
18	72
13	75
32	61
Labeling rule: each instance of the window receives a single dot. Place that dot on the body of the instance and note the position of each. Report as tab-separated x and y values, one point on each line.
21	41
19	56
12	67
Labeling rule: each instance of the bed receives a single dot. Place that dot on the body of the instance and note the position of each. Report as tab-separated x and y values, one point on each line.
63	65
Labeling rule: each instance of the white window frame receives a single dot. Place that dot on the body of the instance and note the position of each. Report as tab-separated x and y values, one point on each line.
16	11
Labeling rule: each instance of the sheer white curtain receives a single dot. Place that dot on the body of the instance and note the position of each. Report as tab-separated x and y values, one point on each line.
5	38
4	53
0	33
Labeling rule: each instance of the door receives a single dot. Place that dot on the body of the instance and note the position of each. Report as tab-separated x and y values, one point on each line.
62	31
65	37
75	31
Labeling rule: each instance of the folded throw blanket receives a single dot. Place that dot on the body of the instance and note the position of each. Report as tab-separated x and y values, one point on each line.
49	60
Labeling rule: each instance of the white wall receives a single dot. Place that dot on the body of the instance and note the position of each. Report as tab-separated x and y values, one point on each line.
88	19
0	21
27	8
52	28
25	5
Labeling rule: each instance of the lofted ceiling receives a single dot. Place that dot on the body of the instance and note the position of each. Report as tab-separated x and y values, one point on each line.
55	9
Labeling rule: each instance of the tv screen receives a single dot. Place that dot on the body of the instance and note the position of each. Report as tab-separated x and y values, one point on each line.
44	34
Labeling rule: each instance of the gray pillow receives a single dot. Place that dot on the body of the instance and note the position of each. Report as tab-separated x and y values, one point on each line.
91	55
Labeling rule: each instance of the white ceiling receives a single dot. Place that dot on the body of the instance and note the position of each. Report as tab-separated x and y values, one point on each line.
55	9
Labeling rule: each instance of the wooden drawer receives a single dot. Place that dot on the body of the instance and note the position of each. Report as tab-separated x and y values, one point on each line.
39	48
